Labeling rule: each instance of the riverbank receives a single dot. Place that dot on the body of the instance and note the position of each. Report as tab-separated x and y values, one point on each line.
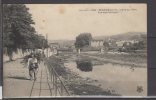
115	77
123	59
76	84
132	59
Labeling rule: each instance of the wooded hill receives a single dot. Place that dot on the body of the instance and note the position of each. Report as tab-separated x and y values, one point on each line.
123	36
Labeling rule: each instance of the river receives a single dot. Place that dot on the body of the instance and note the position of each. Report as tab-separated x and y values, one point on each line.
124	80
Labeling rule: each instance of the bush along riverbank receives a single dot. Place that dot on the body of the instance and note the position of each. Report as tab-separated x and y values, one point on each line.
76	84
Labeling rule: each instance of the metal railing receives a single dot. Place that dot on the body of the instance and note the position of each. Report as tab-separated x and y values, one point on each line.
56	82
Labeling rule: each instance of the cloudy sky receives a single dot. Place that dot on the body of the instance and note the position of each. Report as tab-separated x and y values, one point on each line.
66	21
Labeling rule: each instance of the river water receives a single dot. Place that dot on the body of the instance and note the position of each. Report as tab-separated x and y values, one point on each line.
124	80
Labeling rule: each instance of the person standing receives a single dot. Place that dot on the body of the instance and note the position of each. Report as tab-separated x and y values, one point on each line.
32	66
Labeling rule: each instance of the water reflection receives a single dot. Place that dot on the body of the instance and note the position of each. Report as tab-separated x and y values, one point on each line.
121	78
84	65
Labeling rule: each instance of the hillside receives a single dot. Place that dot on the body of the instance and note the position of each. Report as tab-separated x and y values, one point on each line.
123	36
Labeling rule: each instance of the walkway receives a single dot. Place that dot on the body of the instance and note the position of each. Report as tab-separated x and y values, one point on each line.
41	87
17	83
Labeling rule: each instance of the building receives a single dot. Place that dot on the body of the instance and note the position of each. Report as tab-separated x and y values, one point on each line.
96	43
120	43
128	42
54	45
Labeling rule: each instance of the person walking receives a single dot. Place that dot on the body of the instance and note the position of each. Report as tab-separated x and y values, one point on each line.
32	66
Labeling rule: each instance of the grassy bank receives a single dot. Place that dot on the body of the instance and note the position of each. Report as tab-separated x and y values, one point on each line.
129	59
76	84
132	59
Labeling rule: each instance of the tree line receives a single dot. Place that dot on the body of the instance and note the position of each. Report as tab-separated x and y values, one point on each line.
18	30
84	39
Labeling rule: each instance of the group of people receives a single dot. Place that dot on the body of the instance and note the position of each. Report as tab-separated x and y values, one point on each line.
33	62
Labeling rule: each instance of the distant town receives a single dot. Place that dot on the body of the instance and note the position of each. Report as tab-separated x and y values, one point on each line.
131	42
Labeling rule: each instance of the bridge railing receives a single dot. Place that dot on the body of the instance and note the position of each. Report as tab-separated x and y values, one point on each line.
57	83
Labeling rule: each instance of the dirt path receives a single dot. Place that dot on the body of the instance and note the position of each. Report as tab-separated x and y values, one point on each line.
17	84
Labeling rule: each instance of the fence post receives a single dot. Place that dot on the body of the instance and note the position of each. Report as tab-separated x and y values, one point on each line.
55	85
53	78
51	74
61	89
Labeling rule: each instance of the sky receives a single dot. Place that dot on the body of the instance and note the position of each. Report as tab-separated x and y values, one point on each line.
66	21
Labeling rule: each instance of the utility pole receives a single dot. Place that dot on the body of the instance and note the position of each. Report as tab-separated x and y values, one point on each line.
47	43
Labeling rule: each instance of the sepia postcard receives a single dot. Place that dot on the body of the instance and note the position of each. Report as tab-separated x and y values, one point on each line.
74	50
